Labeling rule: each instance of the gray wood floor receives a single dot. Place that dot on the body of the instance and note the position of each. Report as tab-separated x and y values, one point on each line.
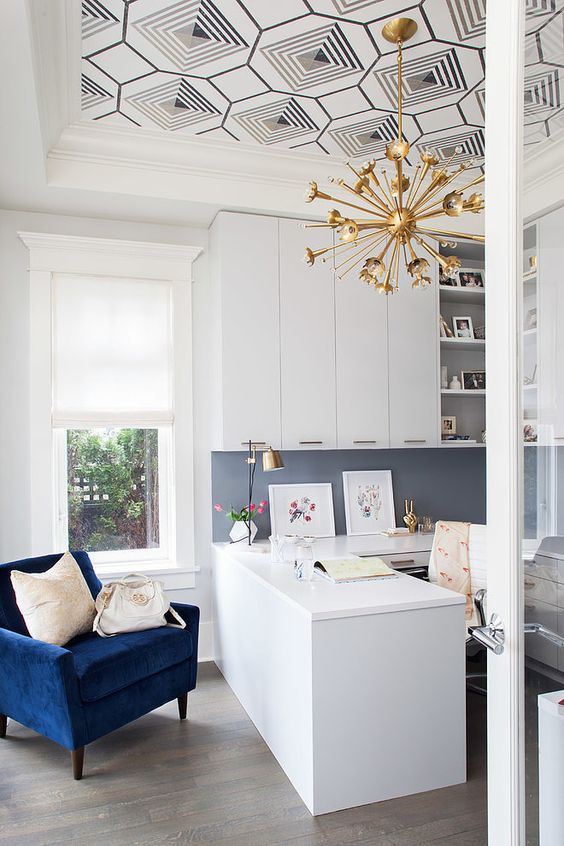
212	780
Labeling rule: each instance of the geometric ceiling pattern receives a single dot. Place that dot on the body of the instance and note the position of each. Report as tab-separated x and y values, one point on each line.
309	75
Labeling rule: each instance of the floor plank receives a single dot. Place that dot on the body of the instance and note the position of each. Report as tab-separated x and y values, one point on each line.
212	781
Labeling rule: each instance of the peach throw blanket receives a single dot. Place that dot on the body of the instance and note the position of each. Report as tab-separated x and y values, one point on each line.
450	560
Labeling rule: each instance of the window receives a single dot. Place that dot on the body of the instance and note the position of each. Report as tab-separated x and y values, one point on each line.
112	402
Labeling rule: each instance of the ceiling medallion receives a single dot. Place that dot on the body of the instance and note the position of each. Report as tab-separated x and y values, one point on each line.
398	209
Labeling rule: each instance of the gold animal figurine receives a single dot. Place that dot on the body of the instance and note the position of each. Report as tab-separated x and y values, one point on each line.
410	517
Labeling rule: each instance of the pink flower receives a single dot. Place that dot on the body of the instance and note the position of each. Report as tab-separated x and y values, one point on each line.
293	504
263	502
260	510
217	507
307	518
312	506
252	506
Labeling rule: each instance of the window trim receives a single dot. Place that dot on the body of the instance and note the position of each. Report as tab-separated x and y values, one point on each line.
51	254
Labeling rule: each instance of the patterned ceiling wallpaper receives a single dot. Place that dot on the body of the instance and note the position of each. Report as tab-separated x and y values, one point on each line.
308	75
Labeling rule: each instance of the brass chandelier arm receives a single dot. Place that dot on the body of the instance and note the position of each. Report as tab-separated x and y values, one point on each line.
412	192
343	184
379	202
357	257
378	184
436	187
441	187
442	234
399	175
437	256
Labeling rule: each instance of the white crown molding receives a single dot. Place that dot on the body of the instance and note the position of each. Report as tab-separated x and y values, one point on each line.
543	180
144	162
138	259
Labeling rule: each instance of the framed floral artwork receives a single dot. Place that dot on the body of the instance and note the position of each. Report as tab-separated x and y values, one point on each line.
305	509
369	501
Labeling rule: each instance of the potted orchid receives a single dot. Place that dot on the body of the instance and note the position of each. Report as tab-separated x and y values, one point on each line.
242	519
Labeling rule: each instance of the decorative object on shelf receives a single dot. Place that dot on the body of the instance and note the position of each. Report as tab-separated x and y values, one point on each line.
483	436
480	333
447	281
469	277
530	435
444	376
397	211
410	517
531	320
473	380
533	261
369	501
463	327
294	508
448	425
445	330
455	384
531	380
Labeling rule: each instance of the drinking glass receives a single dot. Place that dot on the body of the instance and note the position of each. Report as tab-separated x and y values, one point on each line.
303	568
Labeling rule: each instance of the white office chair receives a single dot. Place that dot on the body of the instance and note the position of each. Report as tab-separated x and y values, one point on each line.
478	579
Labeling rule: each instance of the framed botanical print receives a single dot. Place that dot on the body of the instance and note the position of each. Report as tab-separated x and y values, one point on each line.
304	509
369	501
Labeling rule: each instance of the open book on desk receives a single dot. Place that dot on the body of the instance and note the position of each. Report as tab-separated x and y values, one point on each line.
342	571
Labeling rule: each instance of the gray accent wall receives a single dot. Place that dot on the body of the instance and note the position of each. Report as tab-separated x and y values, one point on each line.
445	483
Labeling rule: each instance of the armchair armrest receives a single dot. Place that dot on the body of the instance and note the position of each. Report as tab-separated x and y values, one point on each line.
38	687
191	616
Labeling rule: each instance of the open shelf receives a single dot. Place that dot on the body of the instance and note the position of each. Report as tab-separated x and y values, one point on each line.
460	392
462	344
454	294
459	444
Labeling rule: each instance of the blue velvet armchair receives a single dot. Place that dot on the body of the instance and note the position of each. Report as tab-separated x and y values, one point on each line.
93	685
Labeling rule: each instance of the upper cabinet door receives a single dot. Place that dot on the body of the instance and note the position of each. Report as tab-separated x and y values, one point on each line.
413	330
362	365
307	341
245	258
550	341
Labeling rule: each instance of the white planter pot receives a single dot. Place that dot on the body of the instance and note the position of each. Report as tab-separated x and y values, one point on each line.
240	532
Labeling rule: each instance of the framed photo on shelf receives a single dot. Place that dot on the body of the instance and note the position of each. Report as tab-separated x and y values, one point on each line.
450	282
530	433
369	501
463	327
448	426
304	509
473	380
531	320
469	277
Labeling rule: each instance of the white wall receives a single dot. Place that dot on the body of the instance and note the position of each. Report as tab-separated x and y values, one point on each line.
16	474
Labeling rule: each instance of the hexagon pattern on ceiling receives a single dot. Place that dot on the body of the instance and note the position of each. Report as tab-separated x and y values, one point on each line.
308	75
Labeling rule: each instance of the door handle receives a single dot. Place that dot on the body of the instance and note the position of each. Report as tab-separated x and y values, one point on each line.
491	636
548	634
415	441
310	443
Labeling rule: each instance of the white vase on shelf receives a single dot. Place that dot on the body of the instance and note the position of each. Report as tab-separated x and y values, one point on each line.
455	384
240	532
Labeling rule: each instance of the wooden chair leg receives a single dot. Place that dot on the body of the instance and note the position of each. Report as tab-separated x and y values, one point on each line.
182	705
3	725
77	757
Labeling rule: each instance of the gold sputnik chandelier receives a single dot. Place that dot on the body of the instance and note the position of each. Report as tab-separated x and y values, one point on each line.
399	209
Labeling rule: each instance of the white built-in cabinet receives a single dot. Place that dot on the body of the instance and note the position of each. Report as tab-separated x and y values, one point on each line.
244	266
307	342
361	317
412	350
310	362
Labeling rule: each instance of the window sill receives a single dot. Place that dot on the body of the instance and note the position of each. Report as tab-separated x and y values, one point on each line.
174	578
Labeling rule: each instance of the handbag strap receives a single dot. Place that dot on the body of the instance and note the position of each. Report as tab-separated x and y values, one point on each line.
182	623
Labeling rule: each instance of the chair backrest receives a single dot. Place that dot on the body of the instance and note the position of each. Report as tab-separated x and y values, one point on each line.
476	556
10	615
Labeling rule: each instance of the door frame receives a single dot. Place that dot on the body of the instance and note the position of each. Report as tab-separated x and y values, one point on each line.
504	226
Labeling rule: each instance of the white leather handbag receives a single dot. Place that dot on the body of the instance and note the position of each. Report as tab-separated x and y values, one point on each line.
133	604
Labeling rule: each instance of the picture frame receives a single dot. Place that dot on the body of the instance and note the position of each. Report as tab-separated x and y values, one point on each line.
448	425
447	281
473	380
470	277
302	509
463	327
530	320
369	501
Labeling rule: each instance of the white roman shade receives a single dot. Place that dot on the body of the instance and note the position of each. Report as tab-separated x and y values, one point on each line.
112	351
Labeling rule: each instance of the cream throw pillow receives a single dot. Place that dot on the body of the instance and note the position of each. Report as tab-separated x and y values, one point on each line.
56	605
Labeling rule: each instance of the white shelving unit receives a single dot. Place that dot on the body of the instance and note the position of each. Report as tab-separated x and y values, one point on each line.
458	354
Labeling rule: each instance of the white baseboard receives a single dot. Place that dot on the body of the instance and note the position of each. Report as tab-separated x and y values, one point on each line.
205	644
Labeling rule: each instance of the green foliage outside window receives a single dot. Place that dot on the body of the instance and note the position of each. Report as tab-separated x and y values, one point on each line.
113	489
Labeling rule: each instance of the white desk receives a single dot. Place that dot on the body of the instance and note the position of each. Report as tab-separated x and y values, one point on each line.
358	690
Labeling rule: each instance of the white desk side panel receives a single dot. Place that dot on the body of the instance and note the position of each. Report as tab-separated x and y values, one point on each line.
262	645
394	685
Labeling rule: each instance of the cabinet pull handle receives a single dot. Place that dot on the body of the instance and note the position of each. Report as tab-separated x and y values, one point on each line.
528	583
256	443
404	561
308	443
559	437
415	441
364	442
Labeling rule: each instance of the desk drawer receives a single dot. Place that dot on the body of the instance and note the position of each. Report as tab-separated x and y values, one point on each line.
403	560
538	647
540	589
542	567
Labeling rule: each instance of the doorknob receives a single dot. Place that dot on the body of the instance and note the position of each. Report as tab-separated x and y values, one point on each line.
538	628
491	636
